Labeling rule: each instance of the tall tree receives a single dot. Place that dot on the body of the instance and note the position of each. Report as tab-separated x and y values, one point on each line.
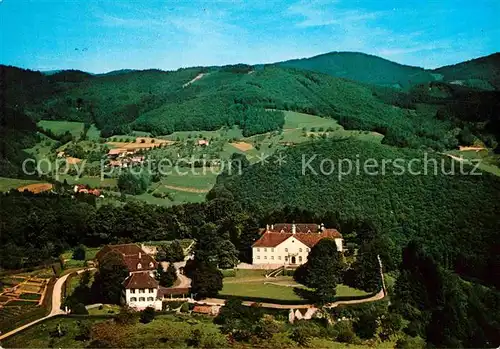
322	272
206	280
107	286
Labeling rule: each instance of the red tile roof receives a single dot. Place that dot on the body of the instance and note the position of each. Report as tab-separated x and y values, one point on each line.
299	227
203	309
140	280
133	255
272	238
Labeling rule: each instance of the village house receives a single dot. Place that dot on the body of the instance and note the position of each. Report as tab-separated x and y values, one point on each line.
290	244
141	290
203	142
82	189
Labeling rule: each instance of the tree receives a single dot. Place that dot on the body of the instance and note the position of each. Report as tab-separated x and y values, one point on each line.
206	280
166	278
366	269
79	309
322	272
79	253
147	315
107	286
366	325
173	252
133	183
214	247
238	320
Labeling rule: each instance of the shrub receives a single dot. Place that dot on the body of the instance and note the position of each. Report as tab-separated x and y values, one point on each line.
79	253
147	315
126	316
185	307
79	309
345	333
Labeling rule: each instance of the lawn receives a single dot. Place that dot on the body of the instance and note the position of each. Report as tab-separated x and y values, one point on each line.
259	289
7	184
251	283
301	120
69	262
60	127
197	179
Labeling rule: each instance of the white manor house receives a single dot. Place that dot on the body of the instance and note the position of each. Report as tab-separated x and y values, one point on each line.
289	244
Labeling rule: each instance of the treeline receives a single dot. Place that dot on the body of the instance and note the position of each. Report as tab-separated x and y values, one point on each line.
38	228
444	212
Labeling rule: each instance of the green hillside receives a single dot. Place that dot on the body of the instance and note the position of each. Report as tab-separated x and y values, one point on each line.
483	72
364	68
442	211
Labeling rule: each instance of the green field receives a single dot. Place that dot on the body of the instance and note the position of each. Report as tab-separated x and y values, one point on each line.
301	120
7	184
60	127
252	283
69	262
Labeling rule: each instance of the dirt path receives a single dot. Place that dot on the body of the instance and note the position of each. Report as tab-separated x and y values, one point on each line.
187	189
471	148
197	77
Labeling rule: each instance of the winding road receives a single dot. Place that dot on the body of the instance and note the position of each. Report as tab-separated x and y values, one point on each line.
55	309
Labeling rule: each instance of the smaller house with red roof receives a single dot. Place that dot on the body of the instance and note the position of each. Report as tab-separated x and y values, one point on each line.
141	290
290	244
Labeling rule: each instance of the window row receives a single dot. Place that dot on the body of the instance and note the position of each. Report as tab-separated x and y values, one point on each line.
286	250
142	290
142	299
279	258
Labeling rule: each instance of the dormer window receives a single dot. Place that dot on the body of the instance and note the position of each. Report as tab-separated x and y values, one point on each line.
139	266
151	265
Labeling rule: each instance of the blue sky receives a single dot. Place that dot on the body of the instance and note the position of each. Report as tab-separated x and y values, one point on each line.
99	36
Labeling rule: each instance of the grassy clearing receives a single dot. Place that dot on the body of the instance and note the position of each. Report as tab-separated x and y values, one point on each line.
252	283
107	309
196	179
488	161
69	262
300	120
7	184
60	127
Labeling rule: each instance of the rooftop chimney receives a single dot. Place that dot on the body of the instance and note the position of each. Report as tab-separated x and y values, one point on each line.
140	255
267	226
272	226
322	227
293	228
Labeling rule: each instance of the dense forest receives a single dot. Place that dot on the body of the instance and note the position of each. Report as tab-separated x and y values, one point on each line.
446	212
362	67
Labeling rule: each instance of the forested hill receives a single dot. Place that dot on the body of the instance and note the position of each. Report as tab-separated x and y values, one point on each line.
455	216
363	67
163	102
483	72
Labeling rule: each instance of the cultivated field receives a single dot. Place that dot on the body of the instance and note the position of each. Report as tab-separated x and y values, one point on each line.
36	187
7	184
